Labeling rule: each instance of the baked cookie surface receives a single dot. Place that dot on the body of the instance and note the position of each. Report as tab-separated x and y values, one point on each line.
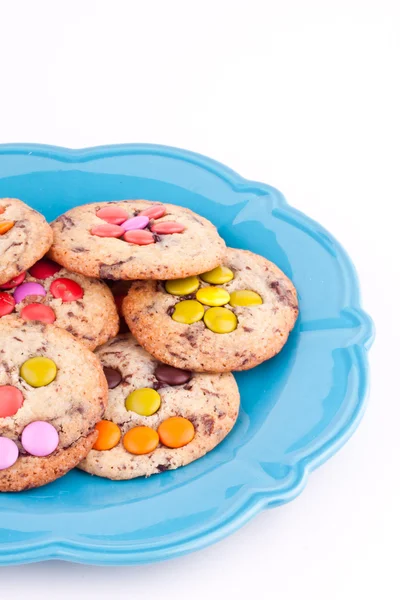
25	236
52	393
158	418
49	293
135	239
229	319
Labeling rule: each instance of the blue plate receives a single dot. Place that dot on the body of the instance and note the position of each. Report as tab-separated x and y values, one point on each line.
297	409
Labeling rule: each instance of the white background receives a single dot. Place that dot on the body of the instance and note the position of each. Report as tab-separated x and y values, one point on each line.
302	95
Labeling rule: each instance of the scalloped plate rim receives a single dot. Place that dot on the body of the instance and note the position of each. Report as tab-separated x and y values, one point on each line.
63	549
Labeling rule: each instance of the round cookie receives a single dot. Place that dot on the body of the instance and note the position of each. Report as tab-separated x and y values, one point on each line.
49	293
230	319
182	416
135	239
25	236
52	393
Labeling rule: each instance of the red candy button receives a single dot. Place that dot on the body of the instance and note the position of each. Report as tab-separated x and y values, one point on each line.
11	400
113	214
38	312
141	237
167	227
44	268
7	304
154	212
13	282
66	289
107	230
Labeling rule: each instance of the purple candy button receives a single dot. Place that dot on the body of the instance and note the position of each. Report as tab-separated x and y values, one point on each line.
28	289
135	223
39	438
8	453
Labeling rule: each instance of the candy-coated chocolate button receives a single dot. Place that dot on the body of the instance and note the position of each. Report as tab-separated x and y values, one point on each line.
154	212
28	289
144	401
171	375
135	223
213	296
38	371
66	289
107	230
38	312
182	287
245	298
11	400
188	312
141	440
39	438
7	304
140	237
176	432
220	320
112	214
109	435
13	282
44	268
8	453
113	377
6	226
167	227
218	275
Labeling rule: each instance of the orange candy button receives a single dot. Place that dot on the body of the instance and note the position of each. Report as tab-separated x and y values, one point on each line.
38	312
141	237
109	435
11	400
176	432
154	212
112	214
141	440
167	227
6	226
107	230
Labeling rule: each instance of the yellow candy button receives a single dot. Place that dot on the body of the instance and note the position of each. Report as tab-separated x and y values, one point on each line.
218	275
188	312
38	371
245	298
182	287
213	296
145	402
220	320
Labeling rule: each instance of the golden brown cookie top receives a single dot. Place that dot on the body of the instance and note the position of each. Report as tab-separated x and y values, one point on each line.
135	239
52	394
158	417
25	236
232	318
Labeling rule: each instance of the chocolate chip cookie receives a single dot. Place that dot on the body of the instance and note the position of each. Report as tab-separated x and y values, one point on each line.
49	293
25	236
52	393
158	417
228	319
135	239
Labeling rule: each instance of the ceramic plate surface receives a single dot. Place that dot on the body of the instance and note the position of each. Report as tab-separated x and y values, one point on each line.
297	409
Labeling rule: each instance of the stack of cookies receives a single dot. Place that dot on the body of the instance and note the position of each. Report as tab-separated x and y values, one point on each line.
120	324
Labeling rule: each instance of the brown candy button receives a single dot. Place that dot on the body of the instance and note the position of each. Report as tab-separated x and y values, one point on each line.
171	375
113	377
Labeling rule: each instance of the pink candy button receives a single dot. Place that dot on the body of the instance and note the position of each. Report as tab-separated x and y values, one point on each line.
39	438
28	289
8	453
135	223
